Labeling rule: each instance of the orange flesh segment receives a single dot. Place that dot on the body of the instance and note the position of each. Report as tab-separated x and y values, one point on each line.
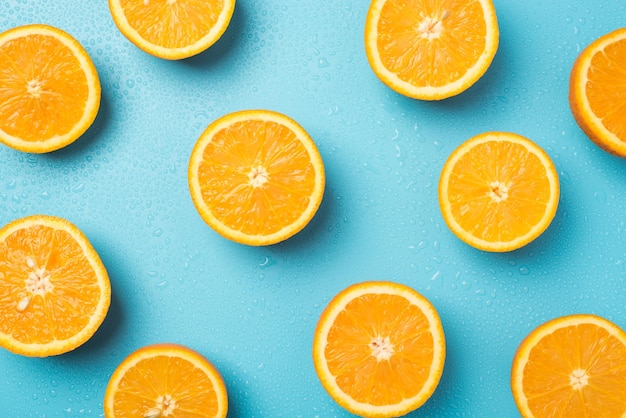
472	182
403	50
172	24
61	312
606	87
349	355
51	69
231	166
142	385
551	362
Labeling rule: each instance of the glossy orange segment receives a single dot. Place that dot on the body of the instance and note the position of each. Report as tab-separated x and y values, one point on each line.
256	177
49	89
471	191
498	191
448	52
172	29
280	161
349	353
54	290
34	86
379	349
606	88
430	49
572	366
597	91
165	380
154	20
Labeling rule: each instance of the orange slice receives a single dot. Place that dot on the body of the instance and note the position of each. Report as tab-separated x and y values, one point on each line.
573	366
172	29
165	380
430	49
379	349
256	177
498	191
49	89
54	290
597	92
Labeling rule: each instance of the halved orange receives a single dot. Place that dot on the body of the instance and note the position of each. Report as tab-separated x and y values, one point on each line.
172	29
165	380
256	177
49	89
431	49
597	91
572	366
379	349
54	289
498	191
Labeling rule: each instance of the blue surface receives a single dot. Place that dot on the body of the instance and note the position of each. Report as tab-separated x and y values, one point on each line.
252	311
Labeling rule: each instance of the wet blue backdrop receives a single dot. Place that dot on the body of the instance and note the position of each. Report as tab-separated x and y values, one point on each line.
252	311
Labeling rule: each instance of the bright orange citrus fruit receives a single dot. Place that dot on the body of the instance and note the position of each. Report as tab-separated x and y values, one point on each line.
49	89
165	380
597	91
573	366
431	49
498	191
379	349
54	289
172	29
256	177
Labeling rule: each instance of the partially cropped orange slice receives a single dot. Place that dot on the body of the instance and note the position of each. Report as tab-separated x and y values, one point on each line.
256	177
431	49
54	289
172	29
597	91
379	349
498	191
49	89
573	366
165	380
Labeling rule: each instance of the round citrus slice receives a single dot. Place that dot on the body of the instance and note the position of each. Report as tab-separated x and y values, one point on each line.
597	92
379	349
573	366
49	89
256	177
172	29
498	191
54	290
430	50
165	380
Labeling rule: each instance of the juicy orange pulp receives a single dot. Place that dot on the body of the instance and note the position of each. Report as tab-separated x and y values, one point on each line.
163	380
172	29
54	290
498	191
379	349
256	177
49	89
597	94
431	50
572	366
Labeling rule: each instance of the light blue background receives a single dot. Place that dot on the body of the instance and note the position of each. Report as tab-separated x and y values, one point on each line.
252	311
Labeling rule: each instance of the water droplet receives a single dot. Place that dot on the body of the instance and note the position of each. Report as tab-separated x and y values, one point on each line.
419	247
267	262
524	270
322	63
